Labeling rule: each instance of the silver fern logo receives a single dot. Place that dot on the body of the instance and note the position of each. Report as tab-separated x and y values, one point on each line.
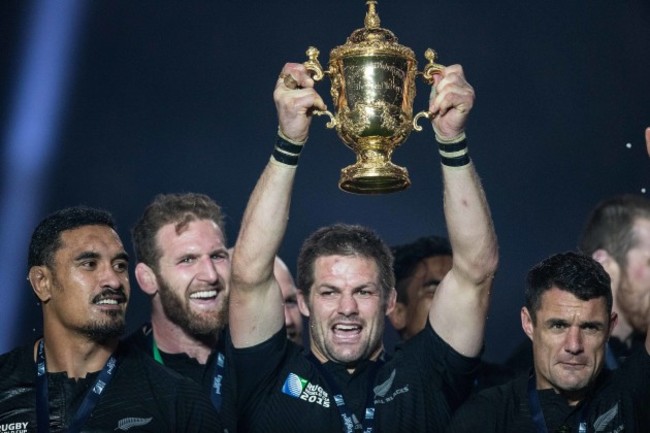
127	423
600	425
382	389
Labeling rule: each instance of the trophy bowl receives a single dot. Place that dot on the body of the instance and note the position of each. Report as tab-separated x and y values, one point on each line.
372	88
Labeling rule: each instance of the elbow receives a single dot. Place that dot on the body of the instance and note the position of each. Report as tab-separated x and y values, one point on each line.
248	274
481	268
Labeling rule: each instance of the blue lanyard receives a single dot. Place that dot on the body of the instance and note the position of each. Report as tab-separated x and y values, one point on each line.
538	414
87	405
216	395
347	419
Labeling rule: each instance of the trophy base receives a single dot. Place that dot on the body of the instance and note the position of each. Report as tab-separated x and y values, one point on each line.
384	179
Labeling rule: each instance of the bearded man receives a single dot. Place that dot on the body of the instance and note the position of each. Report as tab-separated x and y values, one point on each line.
184	268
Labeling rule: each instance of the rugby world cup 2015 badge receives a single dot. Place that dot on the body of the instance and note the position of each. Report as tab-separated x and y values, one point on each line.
297	387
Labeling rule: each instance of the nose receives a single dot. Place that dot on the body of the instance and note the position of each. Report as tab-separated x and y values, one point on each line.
208	270
114	279
348	305
573	343
288	320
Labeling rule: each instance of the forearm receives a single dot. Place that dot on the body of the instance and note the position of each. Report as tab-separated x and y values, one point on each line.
459	311
256	309
469	225
263	226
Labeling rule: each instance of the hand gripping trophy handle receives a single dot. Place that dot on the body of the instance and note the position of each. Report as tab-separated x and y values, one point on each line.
430	69
317	74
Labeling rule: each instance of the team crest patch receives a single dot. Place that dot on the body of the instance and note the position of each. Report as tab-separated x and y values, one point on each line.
297	387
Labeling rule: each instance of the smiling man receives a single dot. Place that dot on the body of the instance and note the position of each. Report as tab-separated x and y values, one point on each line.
345	382
568	317
78	377
184	268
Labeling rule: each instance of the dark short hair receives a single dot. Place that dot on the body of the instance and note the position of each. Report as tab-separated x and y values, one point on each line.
610	226
46	238
179	209
572	272
345	240
408	256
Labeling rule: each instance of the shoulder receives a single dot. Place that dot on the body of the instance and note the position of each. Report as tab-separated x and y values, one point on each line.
18	359
508	396
427	348
137	364
17	375
142	375
140	337
491	409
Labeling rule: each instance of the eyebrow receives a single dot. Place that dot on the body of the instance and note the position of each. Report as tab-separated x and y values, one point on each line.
86	255
594	324
122	256
564	322
432	281
551	322
93	255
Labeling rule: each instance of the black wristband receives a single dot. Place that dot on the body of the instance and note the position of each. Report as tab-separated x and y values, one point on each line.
454	154
285	158
288	147
286	152
453	147
458	161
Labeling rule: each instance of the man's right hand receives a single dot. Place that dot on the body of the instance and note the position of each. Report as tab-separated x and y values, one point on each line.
295	104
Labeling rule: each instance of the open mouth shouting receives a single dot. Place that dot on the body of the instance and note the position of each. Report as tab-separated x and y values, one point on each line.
347	332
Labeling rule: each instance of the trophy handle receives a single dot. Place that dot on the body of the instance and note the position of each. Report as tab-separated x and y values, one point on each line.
430	69
418	116
317	73
332	123
313	65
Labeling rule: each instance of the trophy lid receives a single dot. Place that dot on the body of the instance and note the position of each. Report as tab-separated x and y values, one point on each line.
372	31
372	36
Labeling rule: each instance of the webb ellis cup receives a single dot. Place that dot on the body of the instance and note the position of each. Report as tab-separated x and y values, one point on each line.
373	87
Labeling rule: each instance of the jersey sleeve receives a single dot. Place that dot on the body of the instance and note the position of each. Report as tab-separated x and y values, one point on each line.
452	372
255	366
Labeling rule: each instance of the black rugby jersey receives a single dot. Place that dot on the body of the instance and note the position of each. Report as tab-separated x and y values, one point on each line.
280	390
142	397
203	374
619	402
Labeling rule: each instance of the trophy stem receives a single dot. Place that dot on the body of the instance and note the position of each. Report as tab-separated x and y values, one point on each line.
374	173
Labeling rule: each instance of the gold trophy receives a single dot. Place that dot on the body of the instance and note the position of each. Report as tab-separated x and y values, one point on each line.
373	87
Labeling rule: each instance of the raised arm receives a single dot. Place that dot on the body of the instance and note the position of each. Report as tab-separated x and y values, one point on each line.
256	308
458	312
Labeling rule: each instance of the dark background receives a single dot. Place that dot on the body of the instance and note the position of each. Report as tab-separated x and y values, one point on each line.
167	96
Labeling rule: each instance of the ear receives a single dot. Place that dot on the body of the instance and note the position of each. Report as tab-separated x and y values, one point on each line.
398	316
391	301
302	303
527	322
146	279
613	320
40	277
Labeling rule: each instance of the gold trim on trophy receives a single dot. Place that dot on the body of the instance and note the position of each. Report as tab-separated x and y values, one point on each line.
373	88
